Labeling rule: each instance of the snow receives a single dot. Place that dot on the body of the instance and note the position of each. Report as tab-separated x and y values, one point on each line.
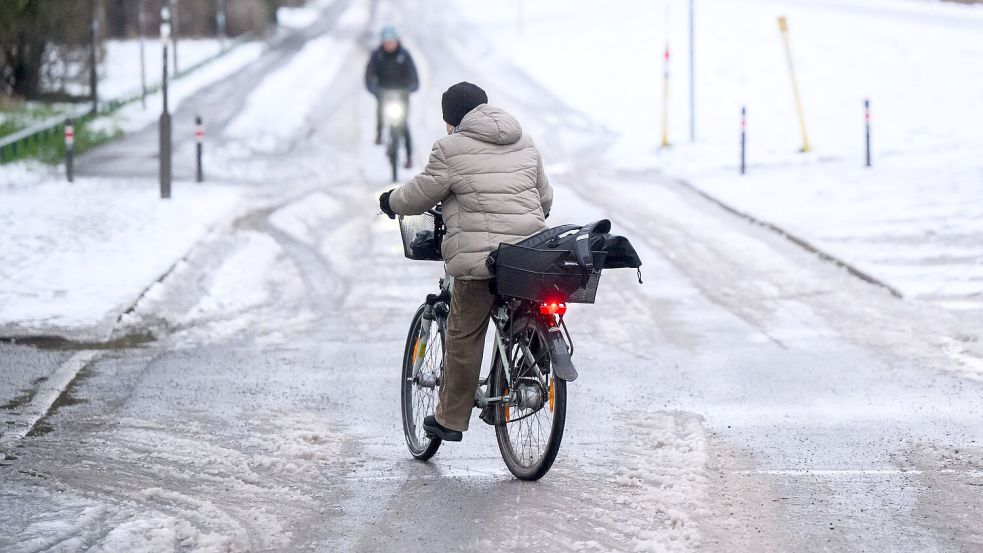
296	17
662	464
119	72
184	488
715	334
919	234
150	534
233	286
22	173
134	116
301	220
77	254
297	88
910	220
299	17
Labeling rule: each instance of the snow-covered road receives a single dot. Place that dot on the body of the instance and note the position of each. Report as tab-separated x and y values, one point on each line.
748	397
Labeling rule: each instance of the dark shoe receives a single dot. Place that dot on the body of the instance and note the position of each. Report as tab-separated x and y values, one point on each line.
409	163
435	430
378	139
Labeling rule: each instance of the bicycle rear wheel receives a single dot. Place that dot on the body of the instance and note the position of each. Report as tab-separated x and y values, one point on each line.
419	394
529	433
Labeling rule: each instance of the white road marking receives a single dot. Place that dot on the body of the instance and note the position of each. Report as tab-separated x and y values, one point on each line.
858	472
46	395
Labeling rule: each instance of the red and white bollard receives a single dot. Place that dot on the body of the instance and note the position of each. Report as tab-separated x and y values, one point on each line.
199	139
69	150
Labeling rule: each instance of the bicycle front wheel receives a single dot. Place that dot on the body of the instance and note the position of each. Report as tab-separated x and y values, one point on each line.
392	152
529	431
419	392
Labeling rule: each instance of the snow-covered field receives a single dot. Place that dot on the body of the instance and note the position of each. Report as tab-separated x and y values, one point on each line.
119	72
76	255
134	116
912	220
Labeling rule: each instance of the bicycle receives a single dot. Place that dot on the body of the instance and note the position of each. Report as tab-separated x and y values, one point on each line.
394	107
524	395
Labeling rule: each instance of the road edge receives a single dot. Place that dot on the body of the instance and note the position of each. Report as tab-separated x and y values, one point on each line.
48	394
791	237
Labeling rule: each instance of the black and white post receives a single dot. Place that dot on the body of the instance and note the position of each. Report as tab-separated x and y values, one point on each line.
743	139
867	129
175	19
93	61
692	76
199	146
69	150
165	116
220	22
141	29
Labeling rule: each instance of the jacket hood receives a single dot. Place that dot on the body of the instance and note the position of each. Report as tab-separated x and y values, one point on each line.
490	124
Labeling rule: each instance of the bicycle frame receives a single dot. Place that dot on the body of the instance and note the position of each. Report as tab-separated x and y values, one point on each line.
561	346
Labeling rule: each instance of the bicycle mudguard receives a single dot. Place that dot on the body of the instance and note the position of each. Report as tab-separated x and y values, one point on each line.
562	364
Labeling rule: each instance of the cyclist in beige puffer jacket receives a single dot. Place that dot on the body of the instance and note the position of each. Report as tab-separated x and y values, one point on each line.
488	176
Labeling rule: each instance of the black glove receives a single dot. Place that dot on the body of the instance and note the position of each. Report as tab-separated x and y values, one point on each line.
384	204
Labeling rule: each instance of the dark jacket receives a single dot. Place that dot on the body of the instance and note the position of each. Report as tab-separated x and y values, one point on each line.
391	71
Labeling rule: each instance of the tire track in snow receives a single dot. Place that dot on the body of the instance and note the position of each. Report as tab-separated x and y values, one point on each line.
209	492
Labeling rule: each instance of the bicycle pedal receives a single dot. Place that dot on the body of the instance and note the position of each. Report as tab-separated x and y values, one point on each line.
487	415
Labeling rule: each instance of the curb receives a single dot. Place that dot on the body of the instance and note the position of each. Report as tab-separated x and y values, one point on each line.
48	394
798	241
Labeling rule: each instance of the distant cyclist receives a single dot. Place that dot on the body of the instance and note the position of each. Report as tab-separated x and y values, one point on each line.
488	176
391	68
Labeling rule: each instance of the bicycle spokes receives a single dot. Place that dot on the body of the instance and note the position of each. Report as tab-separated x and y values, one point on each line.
421	375
426	380
529	416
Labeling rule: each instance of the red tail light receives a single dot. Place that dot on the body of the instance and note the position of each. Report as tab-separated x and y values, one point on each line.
553	308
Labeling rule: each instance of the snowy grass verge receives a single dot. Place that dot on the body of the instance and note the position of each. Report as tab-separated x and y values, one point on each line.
78	255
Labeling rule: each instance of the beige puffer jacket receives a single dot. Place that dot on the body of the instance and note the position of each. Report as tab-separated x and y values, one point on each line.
490	179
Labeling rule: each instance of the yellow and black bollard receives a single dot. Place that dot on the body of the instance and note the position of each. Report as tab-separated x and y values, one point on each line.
783	27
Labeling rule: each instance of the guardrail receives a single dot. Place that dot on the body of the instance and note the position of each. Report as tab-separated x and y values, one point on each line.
28	140
48	134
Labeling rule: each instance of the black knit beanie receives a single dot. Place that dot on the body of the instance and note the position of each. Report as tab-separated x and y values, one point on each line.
459	99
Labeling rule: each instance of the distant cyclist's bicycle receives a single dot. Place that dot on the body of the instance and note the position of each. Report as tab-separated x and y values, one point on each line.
394	107
524	396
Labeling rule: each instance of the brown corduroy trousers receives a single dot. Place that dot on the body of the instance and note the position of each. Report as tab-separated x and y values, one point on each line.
467	323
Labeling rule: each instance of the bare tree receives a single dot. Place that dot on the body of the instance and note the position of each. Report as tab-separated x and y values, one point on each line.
30	30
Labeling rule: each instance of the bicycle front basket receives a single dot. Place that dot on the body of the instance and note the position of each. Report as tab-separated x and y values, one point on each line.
545	274
421	237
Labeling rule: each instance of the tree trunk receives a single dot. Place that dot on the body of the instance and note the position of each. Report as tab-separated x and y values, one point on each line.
26	69
118	18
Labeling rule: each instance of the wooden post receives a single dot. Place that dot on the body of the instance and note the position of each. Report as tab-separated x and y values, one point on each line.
783	27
